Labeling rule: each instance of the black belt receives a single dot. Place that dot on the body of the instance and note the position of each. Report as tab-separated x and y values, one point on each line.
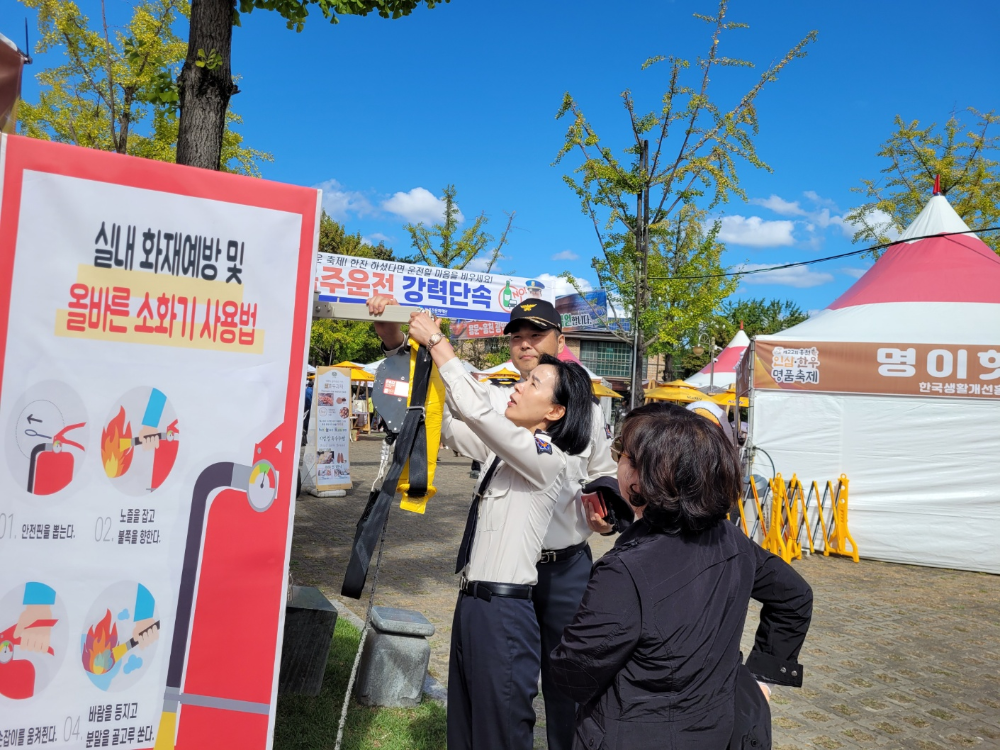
558	555
486	590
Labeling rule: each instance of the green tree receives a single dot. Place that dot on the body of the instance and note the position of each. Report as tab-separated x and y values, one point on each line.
963	157
333	238
333	341
206	82
646	244
454	249
114	91
757	317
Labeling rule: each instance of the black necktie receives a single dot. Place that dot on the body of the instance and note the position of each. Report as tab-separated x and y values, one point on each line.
465	549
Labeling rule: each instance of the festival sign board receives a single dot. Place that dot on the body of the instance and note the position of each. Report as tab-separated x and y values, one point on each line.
932	370
153	334
332	417
448	293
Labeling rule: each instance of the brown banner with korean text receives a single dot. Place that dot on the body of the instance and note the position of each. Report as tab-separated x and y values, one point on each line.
937	370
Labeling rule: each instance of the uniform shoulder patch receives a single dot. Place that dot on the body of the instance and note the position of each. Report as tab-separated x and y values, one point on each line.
607	430
543	445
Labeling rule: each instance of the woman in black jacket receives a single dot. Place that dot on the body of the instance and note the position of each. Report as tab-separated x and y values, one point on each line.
653	655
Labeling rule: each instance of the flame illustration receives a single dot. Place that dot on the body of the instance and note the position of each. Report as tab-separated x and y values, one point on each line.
116	461
98	656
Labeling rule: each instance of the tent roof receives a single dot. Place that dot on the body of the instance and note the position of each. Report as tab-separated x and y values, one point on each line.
508	365
934	290
725	364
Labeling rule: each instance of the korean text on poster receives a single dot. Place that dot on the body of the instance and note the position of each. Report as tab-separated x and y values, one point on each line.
450	293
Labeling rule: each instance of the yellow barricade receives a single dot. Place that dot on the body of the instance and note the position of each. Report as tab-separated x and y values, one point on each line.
784	516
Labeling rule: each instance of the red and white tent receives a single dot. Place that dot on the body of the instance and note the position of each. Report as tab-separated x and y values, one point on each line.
897	385
724	374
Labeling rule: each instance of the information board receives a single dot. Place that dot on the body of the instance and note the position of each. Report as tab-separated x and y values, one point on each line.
153	332
333	428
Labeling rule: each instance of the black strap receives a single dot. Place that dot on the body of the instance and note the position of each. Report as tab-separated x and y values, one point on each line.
376	511
465	549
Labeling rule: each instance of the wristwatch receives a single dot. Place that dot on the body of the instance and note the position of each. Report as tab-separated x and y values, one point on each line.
434	340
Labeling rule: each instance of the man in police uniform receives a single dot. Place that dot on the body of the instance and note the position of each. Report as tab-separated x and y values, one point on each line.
535	328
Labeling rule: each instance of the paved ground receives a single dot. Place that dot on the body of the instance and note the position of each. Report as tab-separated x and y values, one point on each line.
897	657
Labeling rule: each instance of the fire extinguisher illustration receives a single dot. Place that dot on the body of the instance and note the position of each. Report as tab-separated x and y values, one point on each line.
17	676
50	466
221	664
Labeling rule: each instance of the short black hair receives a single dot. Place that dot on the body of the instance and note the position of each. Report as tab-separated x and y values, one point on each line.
688	472
573	389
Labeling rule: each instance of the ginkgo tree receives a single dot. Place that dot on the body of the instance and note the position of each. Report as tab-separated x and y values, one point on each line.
205	84
960	158
659	257
444	245
114	90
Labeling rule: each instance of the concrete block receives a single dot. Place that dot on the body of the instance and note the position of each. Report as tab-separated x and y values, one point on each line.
395	659
309	622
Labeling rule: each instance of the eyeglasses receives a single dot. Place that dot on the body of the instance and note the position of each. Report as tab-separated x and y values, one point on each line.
618	450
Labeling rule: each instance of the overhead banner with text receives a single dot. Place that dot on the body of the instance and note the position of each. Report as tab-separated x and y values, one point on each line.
935	370
448	293
153	331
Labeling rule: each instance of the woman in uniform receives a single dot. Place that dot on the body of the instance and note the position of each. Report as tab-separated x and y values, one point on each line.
495	640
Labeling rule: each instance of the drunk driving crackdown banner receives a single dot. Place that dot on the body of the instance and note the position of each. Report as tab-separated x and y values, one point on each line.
448	293
153	332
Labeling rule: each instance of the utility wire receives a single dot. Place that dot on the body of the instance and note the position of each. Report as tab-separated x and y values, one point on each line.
816	260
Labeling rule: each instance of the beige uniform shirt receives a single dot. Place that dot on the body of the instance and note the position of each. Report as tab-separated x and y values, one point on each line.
569	519
530	482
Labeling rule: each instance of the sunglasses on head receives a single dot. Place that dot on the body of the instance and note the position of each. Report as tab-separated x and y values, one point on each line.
618	449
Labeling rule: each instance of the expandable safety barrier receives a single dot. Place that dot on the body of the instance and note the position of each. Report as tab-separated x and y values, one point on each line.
783	510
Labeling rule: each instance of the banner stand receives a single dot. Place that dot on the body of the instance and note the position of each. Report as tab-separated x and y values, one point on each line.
326	466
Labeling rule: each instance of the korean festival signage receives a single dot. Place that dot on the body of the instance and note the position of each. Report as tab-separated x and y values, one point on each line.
153	332
931	370
448	293
332	407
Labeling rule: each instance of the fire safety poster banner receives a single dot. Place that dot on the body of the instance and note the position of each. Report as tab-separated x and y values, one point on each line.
333	428
153	331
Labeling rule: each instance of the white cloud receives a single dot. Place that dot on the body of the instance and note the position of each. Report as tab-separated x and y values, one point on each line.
560	287
878	220
375	238
755	232
799	277
780	206
819	200
418	205
339	202
857	273
479	265
566	255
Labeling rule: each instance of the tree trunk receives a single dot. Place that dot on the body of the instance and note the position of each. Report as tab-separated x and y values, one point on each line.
205	93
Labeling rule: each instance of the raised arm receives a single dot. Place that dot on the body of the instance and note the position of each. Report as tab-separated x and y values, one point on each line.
469	400
784	620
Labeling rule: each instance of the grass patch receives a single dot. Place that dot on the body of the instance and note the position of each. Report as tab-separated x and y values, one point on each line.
305	723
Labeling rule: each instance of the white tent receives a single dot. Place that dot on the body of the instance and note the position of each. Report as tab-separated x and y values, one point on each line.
897	385
724	373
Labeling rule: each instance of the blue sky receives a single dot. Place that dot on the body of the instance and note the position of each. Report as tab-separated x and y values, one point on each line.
383	114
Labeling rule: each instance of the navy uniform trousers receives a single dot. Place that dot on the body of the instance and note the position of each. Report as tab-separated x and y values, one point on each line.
557	597
492	674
